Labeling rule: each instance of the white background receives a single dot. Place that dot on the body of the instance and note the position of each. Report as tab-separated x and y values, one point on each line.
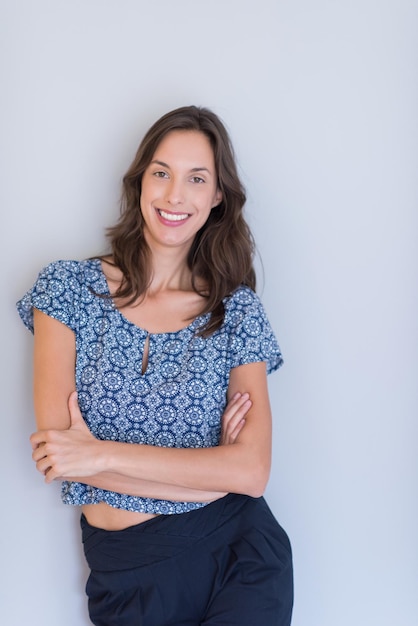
321	101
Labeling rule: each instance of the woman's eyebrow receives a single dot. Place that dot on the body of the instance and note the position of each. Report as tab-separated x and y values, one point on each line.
193	169
200	169
155	162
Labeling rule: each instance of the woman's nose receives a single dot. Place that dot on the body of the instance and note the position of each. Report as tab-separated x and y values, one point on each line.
175	192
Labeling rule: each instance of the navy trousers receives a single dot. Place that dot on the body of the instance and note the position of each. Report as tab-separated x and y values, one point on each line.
228	563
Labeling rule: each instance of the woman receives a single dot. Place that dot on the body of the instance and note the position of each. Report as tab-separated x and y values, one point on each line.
166	442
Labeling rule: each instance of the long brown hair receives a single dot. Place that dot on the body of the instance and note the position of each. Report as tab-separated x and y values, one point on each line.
221	255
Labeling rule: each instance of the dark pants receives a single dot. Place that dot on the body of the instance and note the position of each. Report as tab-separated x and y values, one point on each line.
228	563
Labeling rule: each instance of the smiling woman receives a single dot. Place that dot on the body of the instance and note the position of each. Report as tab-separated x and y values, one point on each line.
179	189
166	443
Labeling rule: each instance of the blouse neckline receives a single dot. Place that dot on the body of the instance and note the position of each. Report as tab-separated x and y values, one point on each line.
191	327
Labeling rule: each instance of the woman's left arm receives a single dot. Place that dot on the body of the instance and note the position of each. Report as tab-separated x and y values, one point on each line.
243	467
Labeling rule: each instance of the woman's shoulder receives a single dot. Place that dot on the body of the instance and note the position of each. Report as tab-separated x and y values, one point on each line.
253	338
243	303
81	272
58	291
241	298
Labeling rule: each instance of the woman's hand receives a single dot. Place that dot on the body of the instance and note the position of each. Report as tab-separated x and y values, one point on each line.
63	453
233	418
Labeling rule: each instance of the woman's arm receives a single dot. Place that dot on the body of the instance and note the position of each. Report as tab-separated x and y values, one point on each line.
233	421
240	468
54	381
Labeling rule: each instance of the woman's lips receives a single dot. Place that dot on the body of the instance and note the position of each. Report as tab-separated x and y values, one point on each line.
172	218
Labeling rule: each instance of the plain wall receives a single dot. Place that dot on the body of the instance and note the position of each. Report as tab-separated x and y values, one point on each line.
321	102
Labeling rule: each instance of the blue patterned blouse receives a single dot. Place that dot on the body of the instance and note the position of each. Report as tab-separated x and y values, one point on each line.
178	401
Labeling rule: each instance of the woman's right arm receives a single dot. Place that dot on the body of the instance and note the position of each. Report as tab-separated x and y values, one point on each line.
54	381
53	371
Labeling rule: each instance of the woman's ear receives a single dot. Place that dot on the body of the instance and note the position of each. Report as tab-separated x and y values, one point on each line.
217	199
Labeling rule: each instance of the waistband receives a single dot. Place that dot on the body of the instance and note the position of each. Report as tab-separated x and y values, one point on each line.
163	536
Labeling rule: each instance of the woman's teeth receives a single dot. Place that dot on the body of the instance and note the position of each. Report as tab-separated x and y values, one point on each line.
173	217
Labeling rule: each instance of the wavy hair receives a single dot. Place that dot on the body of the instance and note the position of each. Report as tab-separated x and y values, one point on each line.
221	255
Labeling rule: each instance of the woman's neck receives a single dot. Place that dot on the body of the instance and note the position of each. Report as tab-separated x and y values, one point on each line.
169	271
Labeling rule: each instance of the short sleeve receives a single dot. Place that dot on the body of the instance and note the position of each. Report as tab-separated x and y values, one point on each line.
55	293
251	336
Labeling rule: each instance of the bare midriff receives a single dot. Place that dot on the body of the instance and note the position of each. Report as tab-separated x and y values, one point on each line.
103	516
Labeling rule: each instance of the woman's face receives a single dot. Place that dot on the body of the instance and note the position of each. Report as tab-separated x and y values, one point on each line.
179	189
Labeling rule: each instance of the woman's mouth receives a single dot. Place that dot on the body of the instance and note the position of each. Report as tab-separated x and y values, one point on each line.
172	217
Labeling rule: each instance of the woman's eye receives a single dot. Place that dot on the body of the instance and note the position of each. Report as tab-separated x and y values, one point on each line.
160	174
197	179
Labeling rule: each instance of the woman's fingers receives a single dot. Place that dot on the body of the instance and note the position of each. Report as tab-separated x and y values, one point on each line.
57	451
76	417
233	419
